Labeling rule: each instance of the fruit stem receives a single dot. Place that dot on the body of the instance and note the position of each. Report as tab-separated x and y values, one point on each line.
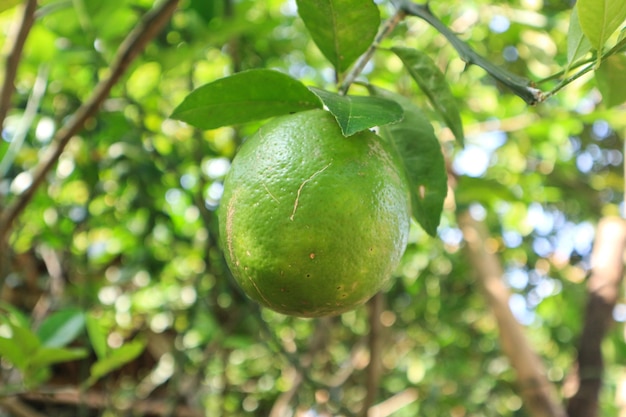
389	25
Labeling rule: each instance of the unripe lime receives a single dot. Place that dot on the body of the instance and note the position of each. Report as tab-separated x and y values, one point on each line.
313	223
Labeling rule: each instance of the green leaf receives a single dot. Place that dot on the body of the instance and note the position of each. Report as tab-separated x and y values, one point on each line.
207	10
611	79
97	336
577	43
10	314
433	83
116	359
26	339
7	4
417	145
480	190
341	29
357	113
48	355
13	352
600	18
61	328
245	97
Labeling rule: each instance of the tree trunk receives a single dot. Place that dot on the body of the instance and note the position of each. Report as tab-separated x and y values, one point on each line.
607	263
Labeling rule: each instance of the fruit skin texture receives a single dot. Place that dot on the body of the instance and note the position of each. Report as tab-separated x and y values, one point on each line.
313	223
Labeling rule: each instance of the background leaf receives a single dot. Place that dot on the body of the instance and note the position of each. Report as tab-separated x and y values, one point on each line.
116	359
97	336
356	113
577	43
61	328
420	151
7	4
600	18
611	79
341	29
433	83
244	97
49	355
12	351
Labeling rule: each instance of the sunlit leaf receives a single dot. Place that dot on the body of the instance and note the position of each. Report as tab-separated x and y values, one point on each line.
341	29
7	4
356	113
433	83
11	350
61	328
611	79
26	339
116	359
577	43
10	314
600	18
421	153
245	97
49	355
480	190
97	336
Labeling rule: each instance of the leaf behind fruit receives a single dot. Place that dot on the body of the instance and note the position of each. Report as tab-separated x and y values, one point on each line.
419	148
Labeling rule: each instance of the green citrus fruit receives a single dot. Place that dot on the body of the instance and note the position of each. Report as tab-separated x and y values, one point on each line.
313	223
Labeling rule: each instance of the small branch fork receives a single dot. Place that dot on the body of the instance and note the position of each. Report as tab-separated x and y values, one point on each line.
131	47
389	25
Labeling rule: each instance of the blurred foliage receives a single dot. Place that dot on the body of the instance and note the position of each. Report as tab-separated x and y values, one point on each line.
120	243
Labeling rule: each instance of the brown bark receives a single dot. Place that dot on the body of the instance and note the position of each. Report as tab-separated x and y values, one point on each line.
537	392
607	262
375	341
14	56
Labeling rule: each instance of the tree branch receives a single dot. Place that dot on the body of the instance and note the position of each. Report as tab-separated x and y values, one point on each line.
603	289
13	58
146	29
519	85
374	368
538	394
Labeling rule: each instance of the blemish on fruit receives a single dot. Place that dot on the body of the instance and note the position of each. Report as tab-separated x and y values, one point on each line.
312	255
295	204
422	191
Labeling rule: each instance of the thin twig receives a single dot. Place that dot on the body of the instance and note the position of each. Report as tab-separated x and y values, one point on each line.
17	408
568	80
100	400
146	29
14	57
389	25
593	63
32	106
